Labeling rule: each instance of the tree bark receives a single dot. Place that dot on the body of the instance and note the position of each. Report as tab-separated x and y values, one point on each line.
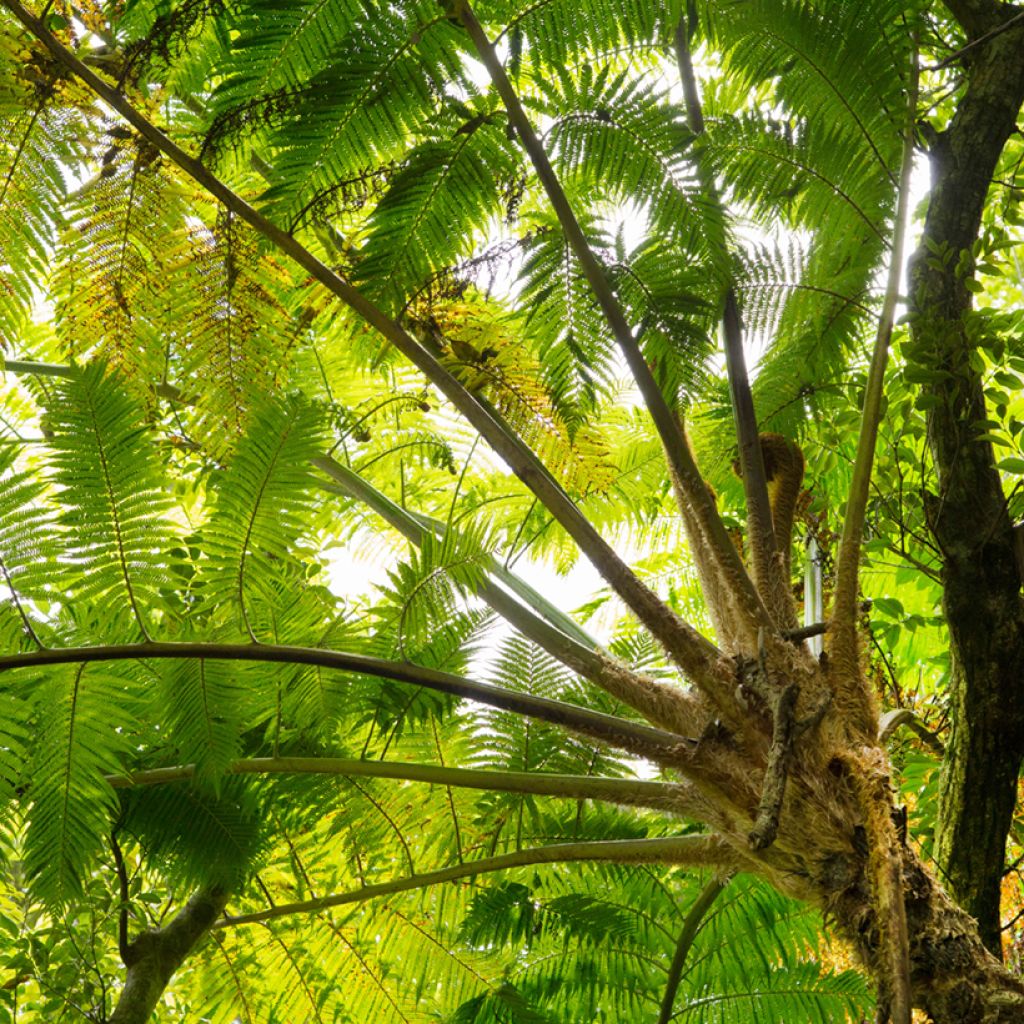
968	517
153	956
954	979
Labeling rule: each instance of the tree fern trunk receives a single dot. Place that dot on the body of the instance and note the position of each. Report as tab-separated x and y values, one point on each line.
954	979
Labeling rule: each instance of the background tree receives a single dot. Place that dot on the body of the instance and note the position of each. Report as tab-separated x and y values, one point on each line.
272	273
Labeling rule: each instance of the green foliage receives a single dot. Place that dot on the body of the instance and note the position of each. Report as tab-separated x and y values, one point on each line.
167	484
113	499
259	507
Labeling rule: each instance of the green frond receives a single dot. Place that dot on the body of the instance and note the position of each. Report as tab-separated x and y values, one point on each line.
615	136
431	214
373	99
30	544
39	134
834	63
559	31
119	257
114	498
82	729
565	323
259	505
196	836
427	589
199	703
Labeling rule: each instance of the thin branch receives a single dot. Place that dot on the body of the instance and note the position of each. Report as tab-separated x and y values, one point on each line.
632	792
640	739
692	652
845	653
691	926
957	54
690	850
802	633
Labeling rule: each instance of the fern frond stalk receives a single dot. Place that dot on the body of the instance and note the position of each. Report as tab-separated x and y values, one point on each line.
690	850
640	739
774	587
632	792
849	680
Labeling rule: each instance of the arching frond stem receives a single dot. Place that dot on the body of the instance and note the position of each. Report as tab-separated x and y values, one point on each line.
692	652
644	740
773	587
691	926
850	687
631	792
690	850
749	605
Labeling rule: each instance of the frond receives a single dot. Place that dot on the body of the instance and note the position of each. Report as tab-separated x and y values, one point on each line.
377	88
83	724
563	30
564	322
196	836
31	547
431	214
199	703
119	257
232	333
615	137
428	588
113	498
259	505
38	137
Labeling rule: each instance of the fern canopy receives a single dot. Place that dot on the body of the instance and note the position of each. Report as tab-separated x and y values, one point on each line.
201	446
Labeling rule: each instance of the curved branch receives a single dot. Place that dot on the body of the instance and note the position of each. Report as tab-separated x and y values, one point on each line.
691	850
691	651
644	740
630	792
691	926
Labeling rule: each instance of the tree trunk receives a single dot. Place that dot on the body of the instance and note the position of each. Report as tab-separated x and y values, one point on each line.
954	979
153	956
968	517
